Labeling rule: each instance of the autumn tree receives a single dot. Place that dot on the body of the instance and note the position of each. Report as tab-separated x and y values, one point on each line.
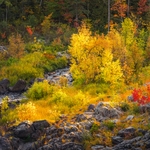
120	7
92	59
142	6
128	30
134	44
46	24
16	46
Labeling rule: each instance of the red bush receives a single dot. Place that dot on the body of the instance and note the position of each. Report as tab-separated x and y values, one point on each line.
142	97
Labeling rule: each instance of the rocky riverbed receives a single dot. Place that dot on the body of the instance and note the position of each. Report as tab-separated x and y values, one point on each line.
16	92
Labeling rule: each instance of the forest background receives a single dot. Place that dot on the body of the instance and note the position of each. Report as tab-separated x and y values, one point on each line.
108	43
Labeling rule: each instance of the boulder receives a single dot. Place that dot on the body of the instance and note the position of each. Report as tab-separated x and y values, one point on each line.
145	108
72	146
116	140
3	48
103	112
23	131
4	85
40	125
127	133
20	86
5	144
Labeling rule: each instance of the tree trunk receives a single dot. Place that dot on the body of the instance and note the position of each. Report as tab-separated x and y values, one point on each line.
41	2
128	10
108	15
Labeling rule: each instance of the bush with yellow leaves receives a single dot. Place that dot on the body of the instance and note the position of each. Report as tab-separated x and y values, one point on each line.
26	111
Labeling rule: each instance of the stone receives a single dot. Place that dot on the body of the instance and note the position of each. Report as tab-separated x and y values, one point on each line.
40	125
20	86
91	107
128	132
72	146
15	142
103	112
5	144
130	117
3	48
4	86
145	108
80	117
97	147
116	140
28	146
23	130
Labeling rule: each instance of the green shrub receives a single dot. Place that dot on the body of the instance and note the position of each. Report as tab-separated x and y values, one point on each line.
62	98
124	106
109	124
95	89
4	105
40	90
20	71
28	67
36	46
7	115
135	109
94	128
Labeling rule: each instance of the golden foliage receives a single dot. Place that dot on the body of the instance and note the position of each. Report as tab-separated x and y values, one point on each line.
16	46
46	24
63	81
91	55
26	111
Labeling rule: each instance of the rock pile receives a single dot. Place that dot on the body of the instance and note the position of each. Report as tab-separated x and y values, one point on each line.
40	135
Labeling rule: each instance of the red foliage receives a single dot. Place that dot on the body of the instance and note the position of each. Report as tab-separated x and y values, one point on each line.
142	6
49	56
120	7
68	17
142	97
3	35
29	30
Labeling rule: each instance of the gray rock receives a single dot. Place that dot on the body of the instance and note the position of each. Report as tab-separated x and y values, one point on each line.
86	125
15	142
130	98
128	132
24	131
130	117
46	147
91	107
3	48
117	140
28	146
103	112
72	146
40	125
4	85
20	86
5	144
97	147
145	108
80	117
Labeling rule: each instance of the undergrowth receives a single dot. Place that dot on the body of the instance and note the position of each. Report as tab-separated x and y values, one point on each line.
46	101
